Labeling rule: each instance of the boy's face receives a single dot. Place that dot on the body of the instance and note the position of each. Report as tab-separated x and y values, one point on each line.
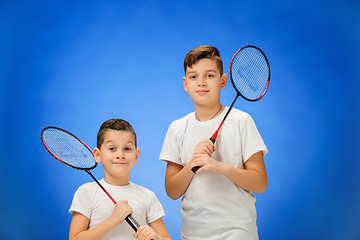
203	82
118	154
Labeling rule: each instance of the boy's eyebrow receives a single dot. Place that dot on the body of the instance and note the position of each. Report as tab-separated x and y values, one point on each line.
131	141
111	141
210	70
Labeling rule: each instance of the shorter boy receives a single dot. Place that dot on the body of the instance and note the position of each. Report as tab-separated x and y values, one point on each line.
94	214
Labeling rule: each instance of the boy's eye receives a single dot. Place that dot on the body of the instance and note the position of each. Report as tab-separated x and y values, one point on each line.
128	149
210	75
111	148
192	77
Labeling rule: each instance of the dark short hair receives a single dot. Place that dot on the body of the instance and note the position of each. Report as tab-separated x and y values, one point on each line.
202	52
114	124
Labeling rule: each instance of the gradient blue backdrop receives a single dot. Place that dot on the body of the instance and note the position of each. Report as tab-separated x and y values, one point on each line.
75	64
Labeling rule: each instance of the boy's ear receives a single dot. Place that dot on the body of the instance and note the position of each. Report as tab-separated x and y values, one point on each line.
137	155
223	81
185	86
97	155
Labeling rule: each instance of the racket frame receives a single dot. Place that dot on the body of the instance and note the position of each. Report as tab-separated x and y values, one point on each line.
231	75
56	157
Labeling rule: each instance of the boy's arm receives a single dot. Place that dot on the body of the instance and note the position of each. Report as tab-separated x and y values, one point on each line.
252	178
80	224
177	179
79	228
155	231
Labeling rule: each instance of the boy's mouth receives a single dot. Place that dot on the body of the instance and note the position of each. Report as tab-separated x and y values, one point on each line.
119	163
202	92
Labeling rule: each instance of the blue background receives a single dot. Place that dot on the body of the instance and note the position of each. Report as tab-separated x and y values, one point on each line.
75	64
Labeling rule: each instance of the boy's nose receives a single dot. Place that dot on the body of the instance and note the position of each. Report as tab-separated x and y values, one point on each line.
201	82
120	155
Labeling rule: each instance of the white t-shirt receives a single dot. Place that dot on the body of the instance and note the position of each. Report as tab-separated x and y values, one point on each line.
92	202
213	207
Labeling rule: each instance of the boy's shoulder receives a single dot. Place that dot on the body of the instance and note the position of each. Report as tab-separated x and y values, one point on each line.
140	188
184	118
89	185
141	191
239	114
87	189
239	118
182	122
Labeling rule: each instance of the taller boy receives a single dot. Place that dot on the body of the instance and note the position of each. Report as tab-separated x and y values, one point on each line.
217	203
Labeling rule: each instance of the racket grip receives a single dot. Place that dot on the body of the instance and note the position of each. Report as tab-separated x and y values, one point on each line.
132	222
194	169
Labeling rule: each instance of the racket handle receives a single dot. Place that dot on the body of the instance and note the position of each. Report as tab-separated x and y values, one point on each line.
132	222
194	169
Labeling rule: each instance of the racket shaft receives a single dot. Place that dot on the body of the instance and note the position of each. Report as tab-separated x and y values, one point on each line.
131	221
214	136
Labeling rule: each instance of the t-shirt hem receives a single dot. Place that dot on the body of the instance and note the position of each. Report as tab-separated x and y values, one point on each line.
167	158
156	217
72	210
263	149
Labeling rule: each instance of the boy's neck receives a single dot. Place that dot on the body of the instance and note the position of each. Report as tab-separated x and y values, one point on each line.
205	113
117	182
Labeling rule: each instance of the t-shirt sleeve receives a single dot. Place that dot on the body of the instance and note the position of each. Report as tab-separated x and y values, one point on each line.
81	202
251	139
155	210
170	150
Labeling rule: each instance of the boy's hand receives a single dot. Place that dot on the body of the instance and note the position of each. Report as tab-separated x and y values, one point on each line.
121	211
146	233
207	163
205	147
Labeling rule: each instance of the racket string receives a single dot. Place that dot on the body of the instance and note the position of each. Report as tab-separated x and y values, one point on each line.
250	73
68	149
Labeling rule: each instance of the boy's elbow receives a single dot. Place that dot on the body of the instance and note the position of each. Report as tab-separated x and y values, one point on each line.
262	189
172	195
262	186
171	190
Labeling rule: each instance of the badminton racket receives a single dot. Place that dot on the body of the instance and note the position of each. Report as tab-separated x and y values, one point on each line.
250	77
73	152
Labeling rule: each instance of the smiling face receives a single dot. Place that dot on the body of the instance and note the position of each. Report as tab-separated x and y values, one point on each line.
118	155
203	82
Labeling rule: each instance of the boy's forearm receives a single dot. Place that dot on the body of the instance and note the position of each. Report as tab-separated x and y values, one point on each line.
177	180
159	228
250	180
97	232
165	238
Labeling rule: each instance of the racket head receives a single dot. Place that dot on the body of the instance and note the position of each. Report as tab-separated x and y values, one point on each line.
250	73
67	148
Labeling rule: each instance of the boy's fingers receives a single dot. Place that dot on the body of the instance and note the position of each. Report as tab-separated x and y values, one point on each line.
144	233
206	151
